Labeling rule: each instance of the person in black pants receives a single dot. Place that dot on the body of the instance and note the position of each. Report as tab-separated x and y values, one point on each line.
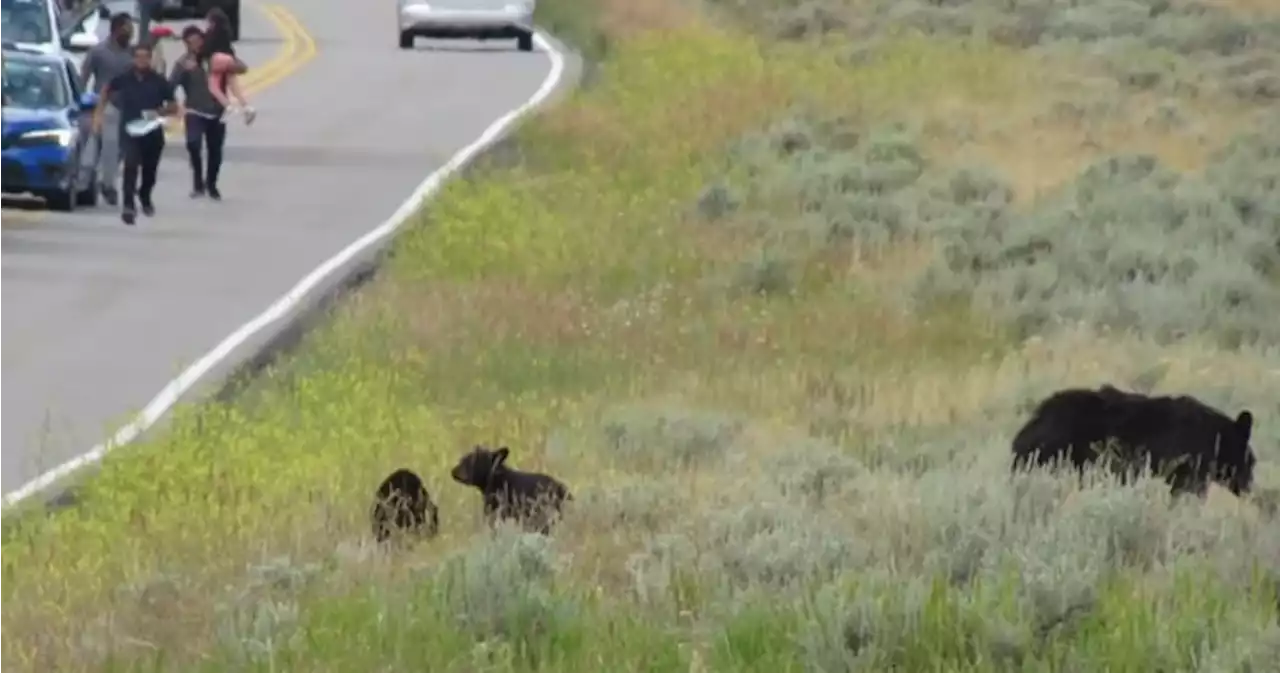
203	114
138	92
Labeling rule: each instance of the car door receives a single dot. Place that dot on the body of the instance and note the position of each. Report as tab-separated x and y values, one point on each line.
84	120
73	81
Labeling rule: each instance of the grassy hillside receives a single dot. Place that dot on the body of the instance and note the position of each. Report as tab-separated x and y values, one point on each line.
771	294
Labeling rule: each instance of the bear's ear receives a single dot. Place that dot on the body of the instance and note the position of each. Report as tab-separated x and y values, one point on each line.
499	457
1244	424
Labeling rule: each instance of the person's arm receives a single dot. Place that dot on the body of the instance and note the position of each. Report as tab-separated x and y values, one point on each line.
170	104
102	105
178	73
178	77
87	67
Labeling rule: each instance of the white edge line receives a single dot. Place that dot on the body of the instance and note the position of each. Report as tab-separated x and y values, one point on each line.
176	388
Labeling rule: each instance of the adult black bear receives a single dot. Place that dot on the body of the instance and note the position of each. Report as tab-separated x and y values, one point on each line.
532	499
403	504
1187	441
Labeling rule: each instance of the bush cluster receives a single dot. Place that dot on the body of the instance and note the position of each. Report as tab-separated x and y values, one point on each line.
1129	245
979	567
1132	245
1167	45
503	586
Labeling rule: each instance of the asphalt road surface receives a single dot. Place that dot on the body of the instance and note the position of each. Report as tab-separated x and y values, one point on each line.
101	316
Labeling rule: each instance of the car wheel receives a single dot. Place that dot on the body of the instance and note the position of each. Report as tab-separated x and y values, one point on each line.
525	42
406	40
62	200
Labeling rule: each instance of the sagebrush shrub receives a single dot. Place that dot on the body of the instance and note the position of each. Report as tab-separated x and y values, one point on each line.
1167	44
666	438
1130	245
646	504
503	585
812	470
815	178
746	545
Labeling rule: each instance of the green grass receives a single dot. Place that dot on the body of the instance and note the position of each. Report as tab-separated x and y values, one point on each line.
807	477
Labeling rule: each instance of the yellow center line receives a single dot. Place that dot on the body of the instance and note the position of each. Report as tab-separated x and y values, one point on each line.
302	49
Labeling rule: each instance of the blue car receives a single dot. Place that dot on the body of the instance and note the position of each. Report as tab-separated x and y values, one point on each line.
45	122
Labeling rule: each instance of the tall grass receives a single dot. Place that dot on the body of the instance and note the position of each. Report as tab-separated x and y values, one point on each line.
703	298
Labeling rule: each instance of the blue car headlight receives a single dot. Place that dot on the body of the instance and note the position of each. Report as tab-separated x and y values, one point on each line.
44	137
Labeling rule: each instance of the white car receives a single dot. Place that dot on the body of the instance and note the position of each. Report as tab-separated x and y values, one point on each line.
81	34
42	26
475	19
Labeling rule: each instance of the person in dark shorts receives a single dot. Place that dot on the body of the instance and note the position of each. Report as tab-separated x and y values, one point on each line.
139	93
203	119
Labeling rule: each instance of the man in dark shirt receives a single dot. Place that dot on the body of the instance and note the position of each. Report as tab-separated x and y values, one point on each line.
203	114
139	93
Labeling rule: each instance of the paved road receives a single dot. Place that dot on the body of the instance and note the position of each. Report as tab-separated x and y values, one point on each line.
101	316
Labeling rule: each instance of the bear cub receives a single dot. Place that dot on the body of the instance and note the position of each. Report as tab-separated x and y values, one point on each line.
532	499
402	505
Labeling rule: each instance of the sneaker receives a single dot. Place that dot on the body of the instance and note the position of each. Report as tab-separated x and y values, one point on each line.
215	194
128	216
197	193
109	195
148	209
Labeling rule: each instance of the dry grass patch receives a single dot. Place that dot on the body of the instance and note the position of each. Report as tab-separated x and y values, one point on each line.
1043	142
1258	7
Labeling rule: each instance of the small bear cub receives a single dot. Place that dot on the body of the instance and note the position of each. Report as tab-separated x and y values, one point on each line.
402	505
532	499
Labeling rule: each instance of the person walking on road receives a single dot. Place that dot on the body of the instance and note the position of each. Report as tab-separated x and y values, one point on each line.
141	93
203	119
102	64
